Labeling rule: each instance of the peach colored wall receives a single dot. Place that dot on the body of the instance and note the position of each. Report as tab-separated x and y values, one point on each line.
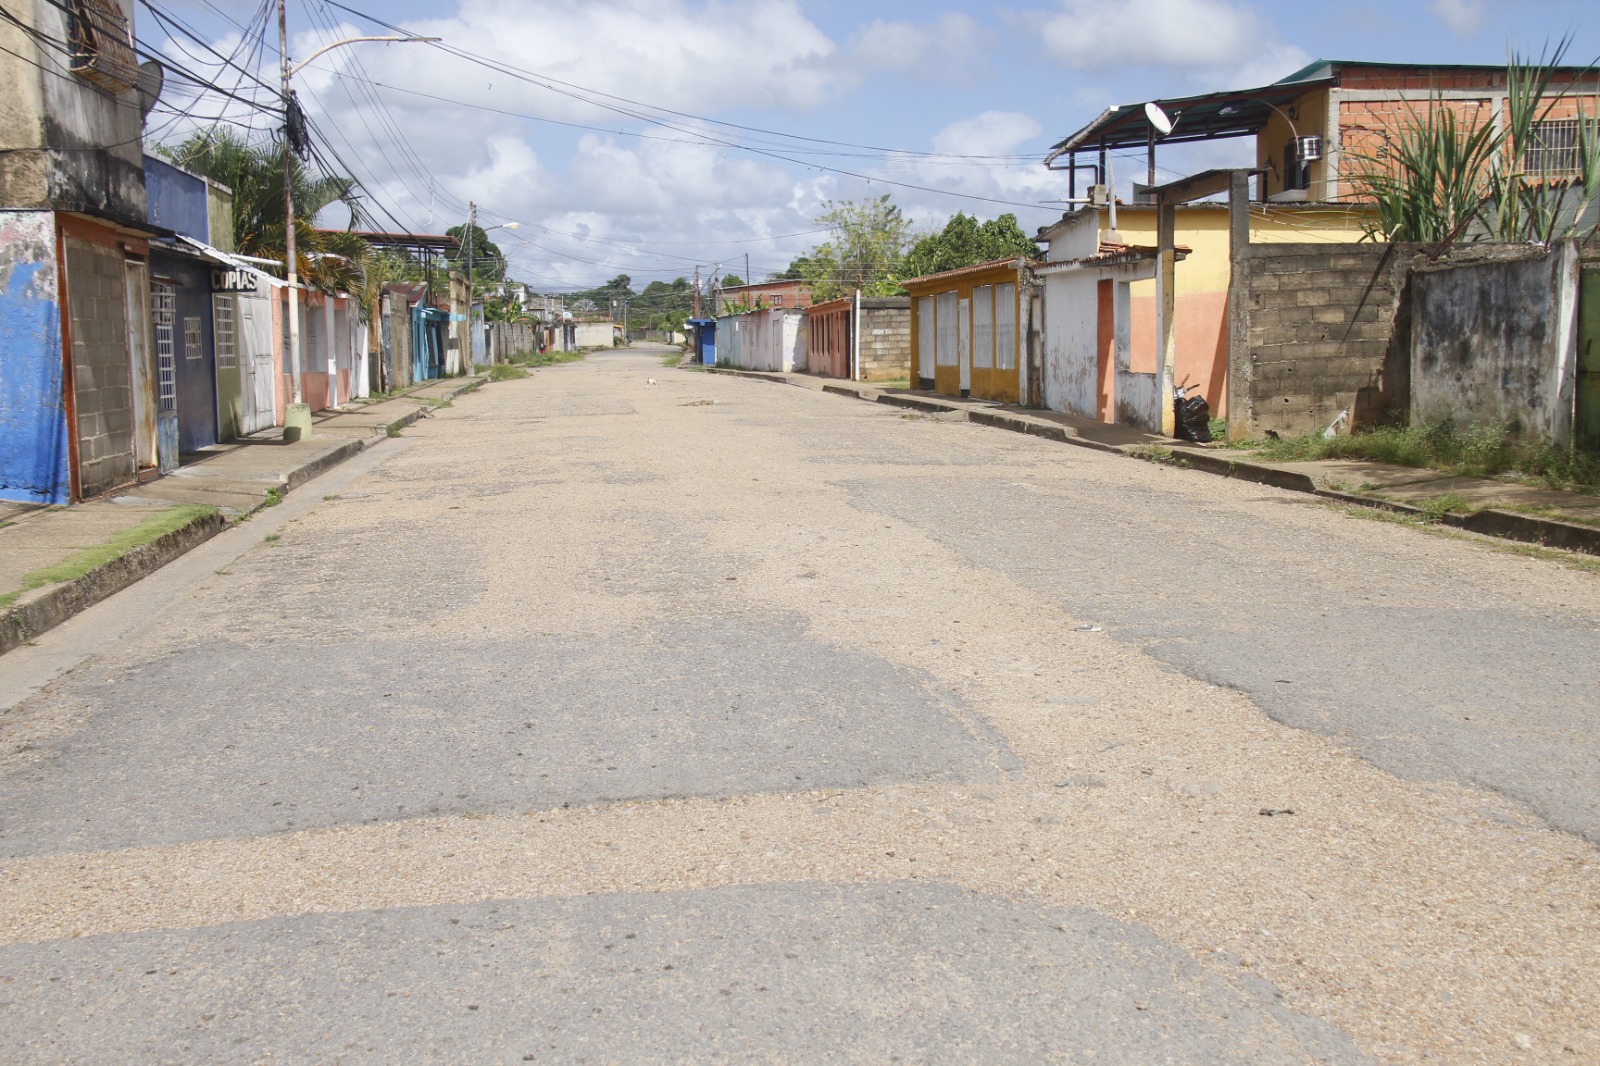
1202	357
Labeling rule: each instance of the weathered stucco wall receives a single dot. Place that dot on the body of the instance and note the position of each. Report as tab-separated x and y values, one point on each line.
1496	342
35	452
177	200
76	146
593	334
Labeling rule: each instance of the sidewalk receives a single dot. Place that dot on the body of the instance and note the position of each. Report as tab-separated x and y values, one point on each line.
1490	506
57	561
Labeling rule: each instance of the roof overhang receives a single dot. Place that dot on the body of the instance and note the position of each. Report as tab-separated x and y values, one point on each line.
1213	116
236	262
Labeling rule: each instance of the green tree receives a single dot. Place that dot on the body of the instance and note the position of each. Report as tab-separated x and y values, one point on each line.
731	280
332	261
488	262
867	239
965	242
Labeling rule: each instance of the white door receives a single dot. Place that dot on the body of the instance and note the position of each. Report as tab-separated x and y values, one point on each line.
255	360
142	365
964	346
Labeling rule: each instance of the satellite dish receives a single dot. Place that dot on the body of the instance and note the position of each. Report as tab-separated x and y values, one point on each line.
1158	118
151	79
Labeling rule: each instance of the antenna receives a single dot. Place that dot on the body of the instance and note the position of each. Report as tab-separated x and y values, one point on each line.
1158	118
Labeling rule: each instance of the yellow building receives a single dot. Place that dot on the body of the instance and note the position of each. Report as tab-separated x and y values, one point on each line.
969	330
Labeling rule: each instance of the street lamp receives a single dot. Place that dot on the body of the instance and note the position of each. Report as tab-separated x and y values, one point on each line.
297	419
472	244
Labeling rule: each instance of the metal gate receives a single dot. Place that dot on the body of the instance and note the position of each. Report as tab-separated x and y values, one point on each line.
164	317
255	357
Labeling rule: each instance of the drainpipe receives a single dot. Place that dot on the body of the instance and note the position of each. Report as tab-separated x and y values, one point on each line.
855	341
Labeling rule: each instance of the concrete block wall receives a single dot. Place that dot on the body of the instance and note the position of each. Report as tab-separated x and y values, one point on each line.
885	338
102	374
1327	332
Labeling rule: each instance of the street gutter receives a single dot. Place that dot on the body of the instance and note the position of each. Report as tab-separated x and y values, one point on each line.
1505	525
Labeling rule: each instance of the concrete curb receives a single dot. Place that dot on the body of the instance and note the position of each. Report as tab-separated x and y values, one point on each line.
1505	525
58	603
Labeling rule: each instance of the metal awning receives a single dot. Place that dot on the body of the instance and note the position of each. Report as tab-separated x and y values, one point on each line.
1236	113
234	261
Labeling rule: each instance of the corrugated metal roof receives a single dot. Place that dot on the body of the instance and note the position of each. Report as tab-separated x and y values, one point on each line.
1015	261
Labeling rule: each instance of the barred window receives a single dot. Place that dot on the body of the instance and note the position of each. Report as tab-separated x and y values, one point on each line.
193	338
163	310
1553	146
222	331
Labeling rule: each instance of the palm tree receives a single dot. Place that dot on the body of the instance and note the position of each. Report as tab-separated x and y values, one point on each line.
329	261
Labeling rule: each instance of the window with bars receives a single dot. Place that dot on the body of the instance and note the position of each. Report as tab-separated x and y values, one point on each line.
948	327
193	338
163	312
222	332
1553	146
1005	327
983	327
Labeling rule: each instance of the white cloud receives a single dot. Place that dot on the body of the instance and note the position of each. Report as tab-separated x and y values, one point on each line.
1094	35
1464	17
953	47
991	133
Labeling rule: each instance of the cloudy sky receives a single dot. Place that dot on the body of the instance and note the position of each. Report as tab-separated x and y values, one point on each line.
647	136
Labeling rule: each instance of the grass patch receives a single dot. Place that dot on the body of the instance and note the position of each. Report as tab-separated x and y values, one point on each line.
1450	503
273	538
429	401
274	497
1158	453
1466	451
1571	560
535	360
80	563
506	372
890	383
673	358
394	429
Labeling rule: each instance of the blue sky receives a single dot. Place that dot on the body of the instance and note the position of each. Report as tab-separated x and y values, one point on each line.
652	194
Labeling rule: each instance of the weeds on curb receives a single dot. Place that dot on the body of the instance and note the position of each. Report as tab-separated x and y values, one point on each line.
80	563
274	497
273	538
1467	451
1571	560
506	372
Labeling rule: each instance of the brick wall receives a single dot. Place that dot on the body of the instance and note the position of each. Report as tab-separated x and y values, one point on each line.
885	338
102	376
1327	331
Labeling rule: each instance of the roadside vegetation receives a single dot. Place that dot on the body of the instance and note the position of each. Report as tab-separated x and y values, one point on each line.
1466	451
77	565
535	360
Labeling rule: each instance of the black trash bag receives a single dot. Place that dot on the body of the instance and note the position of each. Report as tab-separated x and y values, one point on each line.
1193	417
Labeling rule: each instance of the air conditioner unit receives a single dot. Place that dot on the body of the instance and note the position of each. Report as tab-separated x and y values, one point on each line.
1308	149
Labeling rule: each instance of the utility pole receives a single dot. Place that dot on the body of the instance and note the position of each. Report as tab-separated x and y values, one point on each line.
697	291
297	422
297	419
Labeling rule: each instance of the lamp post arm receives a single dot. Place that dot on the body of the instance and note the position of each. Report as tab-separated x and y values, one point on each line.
298	67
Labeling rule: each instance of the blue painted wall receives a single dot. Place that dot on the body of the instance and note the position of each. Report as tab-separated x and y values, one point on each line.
177	200
35	455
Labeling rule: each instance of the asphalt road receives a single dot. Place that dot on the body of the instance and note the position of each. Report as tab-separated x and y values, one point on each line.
711	720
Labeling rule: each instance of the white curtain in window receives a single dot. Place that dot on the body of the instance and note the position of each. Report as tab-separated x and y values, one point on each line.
983	327
1005	326
948	329
926	336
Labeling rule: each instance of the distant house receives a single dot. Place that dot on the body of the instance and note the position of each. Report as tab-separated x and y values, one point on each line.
877	348
787	294
1312	130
